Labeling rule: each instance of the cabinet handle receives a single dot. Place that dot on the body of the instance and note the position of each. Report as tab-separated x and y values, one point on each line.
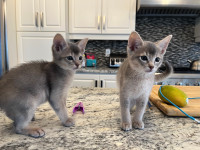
95	83
42	19
104	22
101	83
36	19
137	5
99	22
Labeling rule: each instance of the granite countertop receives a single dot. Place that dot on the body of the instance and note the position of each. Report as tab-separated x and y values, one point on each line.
99	127
101	70
108	70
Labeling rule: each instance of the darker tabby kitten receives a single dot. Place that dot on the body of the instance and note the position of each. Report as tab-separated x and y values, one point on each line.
24	88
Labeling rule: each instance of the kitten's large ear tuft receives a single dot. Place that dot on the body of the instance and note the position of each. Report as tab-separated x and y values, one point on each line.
134	41
82	44
59	43
163	44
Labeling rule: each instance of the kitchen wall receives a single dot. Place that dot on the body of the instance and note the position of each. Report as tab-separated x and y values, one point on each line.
181	48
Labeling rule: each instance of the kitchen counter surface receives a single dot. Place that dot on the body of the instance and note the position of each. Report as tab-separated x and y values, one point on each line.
102	70
107	70
99	127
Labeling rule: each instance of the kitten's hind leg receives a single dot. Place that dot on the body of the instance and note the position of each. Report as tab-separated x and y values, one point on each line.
139	112
21	126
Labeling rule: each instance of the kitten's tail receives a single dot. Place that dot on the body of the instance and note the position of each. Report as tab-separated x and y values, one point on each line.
168	71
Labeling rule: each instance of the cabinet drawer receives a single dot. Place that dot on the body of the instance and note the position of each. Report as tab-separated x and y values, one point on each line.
84	83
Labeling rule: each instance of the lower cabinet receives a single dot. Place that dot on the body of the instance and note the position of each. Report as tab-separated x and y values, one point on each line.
85	80
108	81
95	80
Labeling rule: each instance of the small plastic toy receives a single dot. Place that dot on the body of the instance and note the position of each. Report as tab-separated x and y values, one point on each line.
78	107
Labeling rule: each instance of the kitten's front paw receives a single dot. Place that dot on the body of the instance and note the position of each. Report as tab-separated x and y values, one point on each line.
36	132
126	126
69	122
138	125
33	132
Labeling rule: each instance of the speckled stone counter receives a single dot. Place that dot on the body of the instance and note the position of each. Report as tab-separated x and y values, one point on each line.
101	70
99	127
108	70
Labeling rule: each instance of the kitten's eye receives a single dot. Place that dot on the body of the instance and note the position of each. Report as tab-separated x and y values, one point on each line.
157	59
70	58
80	58
144	58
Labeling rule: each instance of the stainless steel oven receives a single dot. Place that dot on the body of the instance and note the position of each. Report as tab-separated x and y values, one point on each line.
183	77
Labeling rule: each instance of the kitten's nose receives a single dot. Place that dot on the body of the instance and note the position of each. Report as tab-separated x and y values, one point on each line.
77	64
151	67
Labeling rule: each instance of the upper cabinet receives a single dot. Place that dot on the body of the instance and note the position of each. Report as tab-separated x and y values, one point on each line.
101	19
40	15
118	16
85	16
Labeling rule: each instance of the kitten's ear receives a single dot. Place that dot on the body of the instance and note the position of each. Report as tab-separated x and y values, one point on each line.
59	43
82	44
134	41
163	44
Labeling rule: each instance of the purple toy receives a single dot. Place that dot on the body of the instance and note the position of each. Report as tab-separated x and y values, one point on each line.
78	107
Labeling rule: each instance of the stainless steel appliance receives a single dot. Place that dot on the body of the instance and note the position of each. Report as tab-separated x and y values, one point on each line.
3	38
168	7
194	65
116	60
183	77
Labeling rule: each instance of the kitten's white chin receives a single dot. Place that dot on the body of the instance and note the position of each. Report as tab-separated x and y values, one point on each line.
76	68
149	71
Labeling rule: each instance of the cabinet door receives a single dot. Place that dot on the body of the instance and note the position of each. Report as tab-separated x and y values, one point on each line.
52	15
108	81
84	16
118	16
27	15
35	46
85	80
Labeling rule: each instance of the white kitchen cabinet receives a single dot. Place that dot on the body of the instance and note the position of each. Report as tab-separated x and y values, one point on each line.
118	16
38	21
95	80
108	81
40	15
84	16
85	80
101	19
35	46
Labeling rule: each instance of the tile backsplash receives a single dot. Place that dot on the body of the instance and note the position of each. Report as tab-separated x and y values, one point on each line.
181	48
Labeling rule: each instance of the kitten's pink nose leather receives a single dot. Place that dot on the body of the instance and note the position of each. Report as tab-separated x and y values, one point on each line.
77	64
151	67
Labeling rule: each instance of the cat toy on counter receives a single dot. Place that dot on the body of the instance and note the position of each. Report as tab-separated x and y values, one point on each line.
78	107
171	100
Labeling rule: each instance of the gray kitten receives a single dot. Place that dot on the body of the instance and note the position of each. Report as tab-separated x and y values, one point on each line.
137	75
24	88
